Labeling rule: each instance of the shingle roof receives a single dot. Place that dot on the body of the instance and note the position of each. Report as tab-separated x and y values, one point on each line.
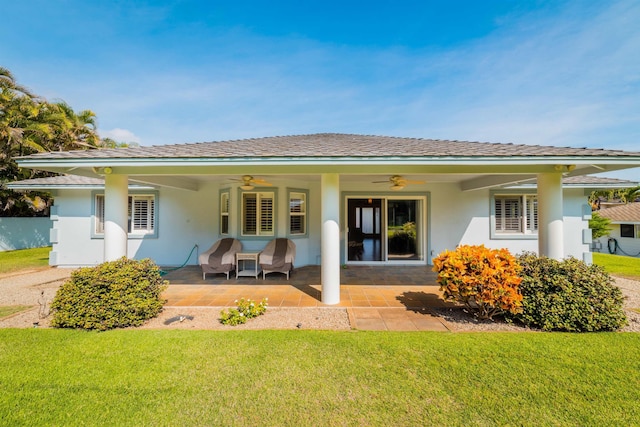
623	213
597	180
332	145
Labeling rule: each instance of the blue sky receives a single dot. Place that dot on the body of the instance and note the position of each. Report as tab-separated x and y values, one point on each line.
563	73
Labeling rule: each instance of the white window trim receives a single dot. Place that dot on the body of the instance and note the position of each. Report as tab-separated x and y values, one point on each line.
132	197
524	230
304	213
260	194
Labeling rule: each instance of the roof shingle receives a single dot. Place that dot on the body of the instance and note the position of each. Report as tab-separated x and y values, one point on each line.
332	145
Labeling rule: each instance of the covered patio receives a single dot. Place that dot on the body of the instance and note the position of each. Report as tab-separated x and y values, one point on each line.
376	297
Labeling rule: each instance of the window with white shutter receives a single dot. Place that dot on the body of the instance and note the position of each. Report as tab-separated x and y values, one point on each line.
515	214
224	213
141	214
258	214
297	213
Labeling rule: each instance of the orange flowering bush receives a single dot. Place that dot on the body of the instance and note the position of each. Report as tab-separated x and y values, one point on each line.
485	280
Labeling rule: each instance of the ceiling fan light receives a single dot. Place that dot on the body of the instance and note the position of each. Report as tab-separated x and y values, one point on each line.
247	187
397	187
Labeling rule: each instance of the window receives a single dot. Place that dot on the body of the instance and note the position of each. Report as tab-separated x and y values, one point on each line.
141	214
224	212
516	214
297	213
257	214
630	230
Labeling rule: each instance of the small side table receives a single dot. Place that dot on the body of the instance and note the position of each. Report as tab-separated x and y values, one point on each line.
241	267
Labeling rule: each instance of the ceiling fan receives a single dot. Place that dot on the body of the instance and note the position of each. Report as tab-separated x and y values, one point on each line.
249	182
398	182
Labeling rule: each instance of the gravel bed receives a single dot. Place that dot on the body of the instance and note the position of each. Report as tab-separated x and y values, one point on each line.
38	288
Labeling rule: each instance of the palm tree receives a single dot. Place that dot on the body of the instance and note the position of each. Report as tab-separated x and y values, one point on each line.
29	124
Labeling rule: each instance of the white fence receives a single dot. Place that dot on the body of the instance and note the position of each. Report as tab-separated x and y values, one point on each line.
23	233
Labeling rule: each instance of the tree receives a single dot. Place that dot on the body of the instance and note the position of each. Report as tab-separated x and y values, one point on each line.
599	225
28	125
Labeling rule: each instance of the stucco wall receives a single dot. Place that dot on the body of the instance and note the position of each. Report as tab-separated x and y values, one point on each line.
186	218
23	233
630	245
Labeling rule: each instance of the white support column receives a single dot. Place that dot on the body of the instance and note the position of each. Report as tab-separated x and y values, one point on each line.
550	216
116	201
330	241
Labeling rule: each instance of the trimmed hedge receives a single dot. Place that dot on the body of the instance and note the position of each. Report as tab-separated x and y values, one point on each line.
115	294
568	295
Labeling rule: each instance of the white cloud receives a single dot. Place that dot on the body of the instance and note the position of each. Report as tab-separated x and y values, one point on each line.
120	135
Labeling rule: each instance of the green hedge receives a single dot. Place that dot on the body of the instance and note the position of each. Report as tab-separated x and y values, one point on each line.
114	294
568	295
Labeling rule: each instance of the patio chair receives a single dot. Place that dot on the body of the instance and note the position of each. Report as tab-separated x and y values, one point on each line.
220	258
278	257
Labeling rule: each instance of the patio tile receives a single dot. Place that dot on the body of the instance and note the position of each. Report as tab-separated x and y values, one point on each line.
400	325
372	295
366	313
370	325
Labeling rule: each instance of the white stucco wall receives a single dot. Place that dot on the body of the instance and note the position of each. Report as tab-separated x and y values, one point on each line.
24	233
630	245
186	218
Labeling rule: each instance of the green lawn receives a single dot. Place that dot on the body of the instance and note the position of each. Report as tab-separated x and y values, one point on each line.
23	259
142	377
618	265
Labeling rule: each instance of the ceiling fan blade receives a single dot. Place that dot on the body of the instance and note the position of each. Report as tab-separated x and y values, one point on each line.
414	182
261	182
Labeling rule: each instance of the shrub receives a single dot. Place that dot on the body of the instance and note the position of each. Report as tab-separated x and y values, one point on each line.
568	295
246	309
485	280
114	294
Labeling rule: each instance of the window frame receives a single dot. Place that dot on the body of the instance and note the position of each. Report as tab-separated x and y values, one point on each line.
222	214
131	196
274	213
529	214
304	215
635	229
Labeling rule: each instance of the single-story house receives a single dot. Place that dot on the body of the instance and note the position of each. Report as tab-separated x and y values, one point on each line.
408	199
624	238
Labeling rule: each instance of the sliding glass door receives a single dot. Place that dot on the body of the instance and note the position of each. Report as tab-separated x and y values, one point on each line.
386	229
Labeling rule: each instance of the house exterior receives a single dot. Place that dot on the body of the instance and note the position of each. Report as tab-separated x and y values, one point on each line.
407	199
624	238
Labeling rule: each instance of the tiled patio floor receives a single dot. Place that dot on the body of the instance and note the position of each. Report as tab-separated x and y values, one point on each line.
376	298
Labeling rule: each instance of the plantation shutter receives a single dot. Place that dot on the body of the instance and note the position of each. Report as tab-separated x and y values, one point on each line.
266	215
532	213
143	214
250	211
99	217
507	212
224	213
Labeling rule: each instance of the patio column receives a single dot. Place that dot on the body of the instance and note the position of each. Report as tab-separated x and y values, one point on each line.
116	202
330	240
550	216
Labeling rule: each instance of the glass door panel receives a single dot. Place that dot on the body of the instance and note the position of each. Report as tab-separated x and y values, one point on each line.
404	241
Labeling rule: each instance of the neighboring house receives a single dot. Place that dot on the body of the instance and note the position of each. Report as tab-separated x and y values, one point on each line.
624	238
408	199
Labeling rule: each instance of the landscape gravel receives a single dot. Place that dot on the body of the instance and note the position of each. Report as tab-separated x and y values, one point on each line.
37	289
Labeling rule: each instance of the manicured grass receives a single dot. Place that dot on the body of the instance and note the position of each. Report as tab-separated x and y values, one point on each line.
23	259
618	265
142	377
8	310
